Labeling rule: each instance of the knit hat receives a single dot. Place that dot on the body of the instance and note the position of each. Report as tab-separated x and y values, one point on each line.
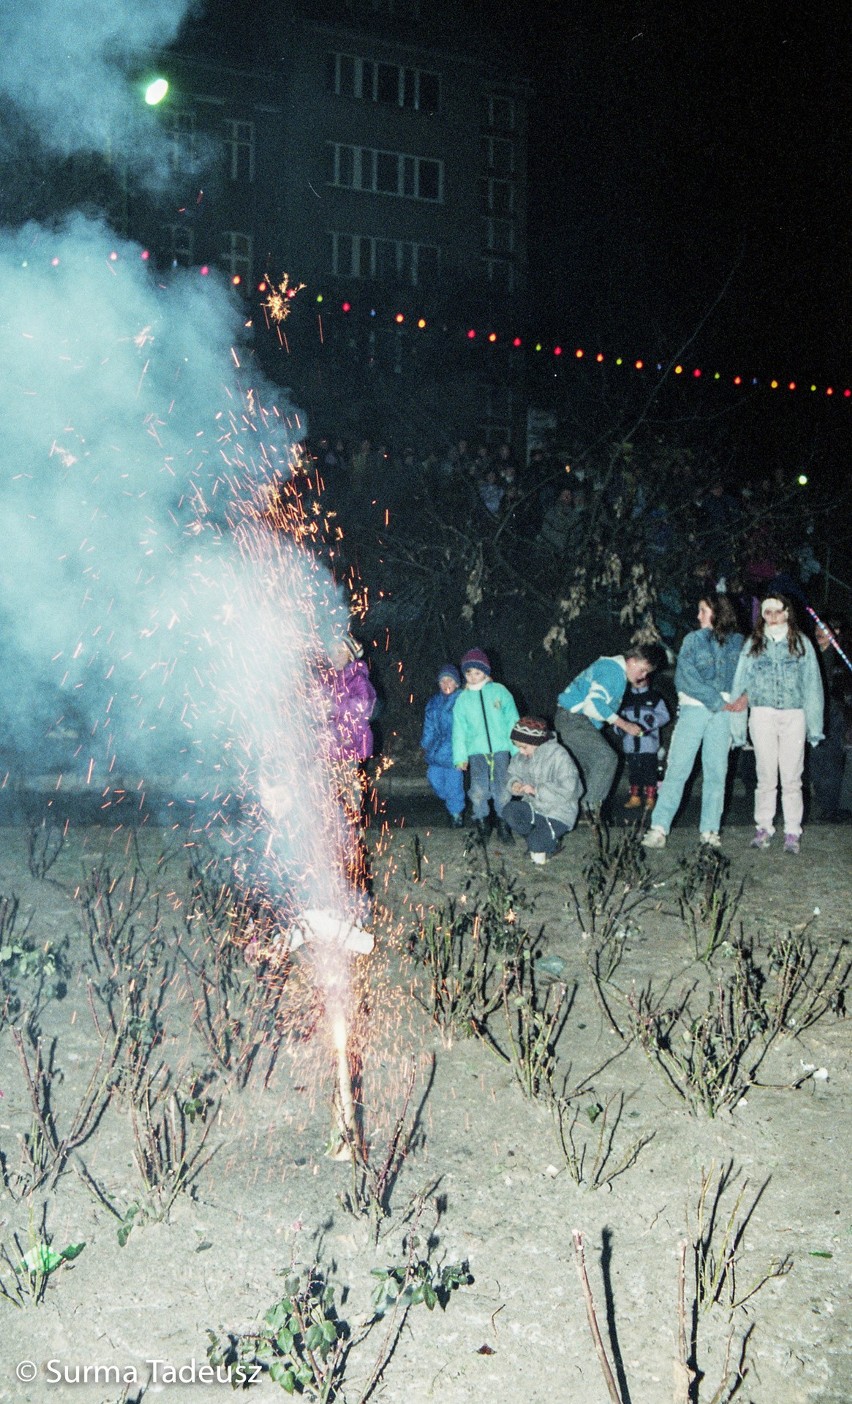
530	731
352	646
475	658
449	670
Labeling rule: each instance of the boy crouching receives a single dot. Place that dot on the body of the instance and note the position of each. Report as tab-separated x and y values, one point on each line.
545	787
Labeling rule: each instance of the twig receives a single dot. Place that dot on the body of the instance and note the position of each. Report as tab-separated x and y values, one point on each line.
606	1368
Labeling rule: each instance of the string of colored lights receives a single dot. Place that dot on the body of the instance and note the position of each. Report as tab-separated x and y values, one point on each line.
579	353
557	350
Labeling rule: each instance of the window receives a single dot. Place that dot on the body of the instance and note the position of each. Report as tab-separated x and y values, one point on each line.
428	180
239	146
388	83
181	129
500	270
498	235
177	244
496	197
499	112
498	155
391	260
236	256
427	264
385	172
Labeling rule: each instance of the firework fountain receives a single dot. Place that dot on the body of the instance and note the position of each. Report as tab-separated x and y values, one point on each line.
157	613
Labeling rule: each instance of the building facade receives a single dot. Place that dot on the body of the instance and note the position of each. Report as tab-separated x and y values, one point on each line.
375	154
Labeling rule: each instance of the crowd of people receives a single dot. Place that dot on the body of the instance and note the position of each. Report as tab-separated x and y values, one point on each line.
738	534
755	673
769	688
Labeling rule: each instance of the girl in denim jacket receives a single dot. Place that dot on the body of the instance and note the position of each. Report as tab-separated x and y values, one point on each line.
704	679
779	678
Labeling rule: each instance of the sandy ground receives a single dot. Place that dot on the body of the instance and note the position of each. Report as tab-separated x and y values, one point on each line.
485	1163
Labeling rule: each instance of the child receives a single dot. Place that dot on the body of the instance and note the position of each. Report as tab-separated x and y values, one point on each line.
703	677
593	698
778	677
351	700
545	785
437	743
647	707
483	718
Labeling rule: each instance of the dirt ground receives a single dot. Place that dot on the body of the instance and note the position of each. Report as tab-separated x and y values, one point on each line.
485	1163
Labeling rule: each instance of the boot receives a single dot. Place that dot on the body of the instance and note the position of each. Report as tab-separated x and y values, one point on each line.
634	801
480	829
650	796
504	833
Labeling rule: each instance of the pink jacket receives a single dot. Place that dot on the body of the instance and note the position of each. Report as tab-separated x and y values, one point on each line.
352	702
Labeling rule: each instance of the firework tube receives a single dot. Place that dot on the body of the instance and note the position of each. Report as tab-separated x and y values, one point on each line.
319	924
831	639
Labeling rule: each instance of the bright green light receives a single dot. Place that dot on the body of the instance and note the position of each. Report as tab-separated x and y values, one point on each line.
156	91
802	480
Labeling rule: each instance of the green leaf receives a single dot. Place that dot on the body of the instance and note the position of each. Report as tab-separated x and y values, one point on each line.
430	1296
329	1330
41	1259
820	1253
313	1337
283	1376
72	1251
284	1340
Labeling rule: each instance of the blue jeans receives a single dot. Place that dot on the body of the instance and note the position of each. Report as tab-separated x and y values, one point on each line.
542	834
697	729
488	781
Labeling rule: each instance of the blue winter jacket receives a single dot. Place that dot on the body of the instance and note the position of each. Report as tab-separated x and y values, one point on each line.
705	668
780	679
437	738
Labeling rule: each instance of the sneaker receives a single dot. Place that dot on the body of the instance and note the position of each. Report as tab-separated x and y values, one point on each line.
762	839
711	838
791	843
540	858
634	802
655	838
650	801
457	821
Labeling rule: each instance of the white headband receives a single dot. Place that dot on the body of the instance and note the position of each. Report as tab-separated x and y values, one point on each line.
771	604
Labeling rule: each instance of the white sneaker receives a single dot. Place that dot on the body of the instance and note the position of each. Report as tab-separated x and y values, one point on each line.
655	838
710	838
539	858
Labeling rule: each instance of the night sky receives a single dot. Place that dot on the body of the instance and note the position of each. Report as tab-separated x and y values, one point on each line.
677	155
681	152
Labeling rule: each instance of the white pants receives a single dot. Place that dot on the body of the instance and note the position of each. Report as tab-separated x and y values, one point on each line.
778	737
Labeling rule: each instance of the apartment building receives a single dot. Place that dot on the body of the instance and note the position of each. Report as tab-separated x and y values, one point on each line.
376	154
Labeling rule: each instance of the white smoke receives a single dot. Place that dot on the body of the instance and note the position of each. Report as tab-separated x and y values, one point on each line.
70	68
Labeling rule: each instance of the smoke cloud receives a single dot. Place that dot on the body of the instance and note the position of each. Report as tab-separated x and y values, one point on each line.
151	629
69	68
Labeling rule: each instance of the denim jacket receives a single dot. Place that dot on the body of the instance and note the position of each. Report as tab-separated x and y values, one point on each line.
783	680
705	668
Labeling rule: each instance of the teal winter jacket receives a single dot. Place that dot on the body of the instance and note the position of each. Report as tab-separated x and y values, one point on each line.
482	720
